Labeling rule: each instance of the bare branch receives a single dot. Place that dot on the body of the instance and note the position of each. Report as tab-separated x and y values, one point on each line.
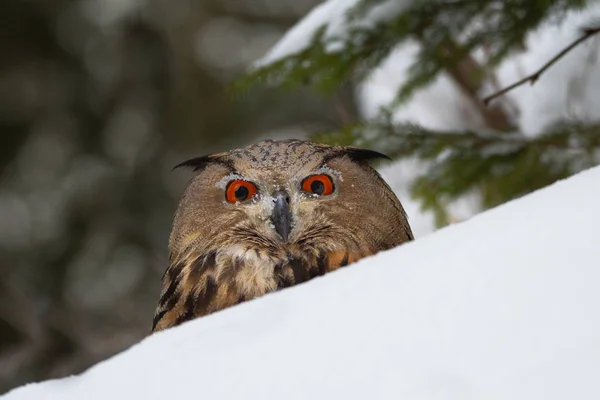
587	33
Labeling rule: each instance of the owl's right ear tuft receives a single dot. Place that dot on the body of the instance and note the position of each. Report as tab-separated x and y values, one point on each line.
199	163
358	154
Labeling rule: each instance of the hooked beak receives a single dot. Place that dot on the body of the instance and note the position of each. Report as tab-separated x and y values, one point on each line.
281	216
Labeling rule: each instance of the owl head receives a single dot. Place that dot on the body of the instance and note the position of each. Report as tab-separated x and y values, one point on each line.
288	194
274	214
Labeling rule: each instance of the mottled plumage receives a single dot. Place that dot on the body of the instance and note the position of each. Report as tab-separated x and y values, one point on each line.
307	209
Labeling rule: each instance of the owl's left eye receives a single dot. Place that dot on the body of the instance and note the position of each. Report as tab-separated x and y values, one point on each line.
320	184
239	190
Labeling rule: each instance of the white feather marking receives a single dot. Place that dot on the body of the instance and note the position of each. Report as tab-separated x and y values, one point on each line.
222	184
267	202
255	276
329	171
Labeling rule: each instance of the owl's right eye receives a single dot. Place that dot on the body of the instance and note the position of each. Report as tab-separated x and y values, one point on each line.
239	190
320	184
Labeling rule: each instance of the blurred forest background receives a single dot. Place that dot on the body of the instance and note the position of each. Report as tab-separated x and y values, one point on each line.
99	99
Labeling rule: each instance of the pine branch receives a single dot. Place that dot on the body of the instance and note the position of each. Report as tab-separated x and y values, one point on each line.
532	79
500	167
406	140
359	48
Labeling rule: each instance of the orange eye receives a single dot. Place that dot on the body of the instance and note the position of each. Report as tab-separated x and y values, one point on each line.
318	184
239	190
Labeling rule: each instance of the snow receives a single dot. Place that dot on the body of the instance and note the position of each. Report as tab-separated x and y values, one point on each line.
503	306
332	14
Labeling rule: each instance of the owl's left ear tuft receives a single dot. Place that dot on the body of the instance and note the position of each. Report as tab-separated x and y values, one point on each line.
199	163
356	154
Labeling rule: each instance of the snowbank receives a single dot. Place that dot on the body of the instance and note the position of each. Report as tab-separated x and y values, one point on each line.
503	306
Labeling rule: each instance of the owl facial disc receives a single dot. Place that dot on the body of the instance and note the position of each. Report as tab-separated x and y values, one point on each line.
281	215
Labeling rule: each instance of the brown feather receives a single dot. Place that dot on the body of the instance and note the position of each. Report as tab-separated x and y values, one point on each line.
196	293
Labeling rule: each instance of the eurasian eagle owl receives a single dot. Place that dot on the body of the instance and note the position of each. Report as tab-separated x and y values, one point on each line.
272	215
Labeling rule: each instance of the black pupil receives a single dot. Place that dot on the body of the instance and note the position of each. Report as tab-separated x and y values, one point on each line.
317	187
241	193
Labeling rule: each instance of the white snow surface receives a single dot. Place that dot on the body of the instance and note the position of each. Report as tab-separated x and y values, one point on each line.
503	306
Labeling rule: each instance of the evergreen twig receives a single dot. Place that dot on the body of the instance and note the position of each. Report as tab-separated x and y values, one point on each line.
587	33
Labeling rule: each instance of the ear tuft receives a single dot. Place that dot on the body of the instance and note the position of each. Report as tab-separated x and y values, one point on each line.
358	155
199	163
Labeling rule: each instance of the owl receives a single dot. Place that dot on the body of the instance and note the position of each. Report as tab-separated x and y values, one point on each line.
272	215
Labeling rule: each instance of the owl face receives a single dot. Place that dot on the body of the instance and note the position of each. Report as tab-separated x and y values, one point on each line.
276	203
286	198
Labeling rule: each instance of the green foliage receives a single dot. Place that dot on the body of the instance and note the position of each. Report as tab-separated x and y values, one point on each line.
447	29
500	164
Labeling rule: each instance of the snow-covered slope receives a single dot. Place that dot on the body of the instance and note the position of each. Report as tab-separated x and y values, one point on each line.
503	306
